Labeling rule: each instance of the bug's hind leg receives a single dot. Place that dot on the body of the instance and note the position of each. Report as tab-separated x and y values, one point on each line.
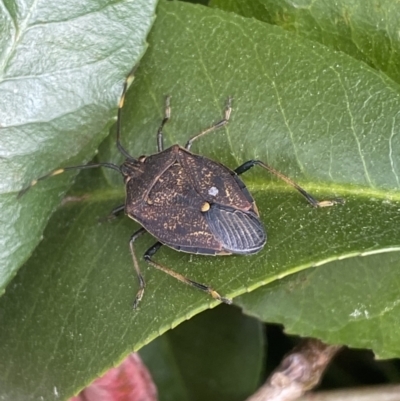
142	283
148	258
167	116
219	124
310	199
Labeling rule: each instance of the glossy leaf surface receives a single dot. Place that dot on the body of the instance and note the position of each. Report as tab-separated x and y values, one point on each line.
363	29
61	70
326	120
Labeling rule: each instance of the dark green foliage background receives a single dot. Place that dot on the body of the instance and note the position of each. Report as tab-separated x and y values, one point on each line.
325	118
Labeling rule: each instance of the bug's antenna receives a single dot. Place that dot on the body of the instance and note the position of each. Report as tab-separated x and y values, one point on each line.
62	170
128	81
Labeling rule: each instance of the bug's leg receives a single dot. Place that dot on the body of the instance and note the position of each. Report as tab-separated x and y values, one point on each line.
217	125
63	170
311	200
114	213
167	116
117	211
150	253
142	283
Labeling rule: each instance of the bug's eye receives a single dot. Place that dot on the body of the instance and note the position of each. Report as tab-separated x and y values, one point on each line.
142	159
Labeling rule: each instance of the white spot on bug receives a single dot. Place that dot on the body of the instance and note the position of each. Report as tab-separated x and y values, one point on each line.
213	191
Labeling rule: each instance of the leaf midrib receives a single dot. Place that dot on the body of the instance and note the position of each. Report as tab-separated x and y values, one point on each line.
315	188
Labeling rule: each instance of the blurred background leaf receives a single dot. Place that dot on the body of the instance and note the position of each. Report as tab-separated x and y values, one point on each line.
204	359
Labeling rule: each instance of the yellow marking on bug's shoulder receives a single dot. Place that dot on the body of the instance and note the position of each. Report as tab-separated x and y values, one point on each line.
205	207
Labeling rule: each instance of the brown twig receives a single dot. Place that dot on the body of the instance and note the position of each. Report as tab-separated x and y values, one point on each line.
372	393
300	371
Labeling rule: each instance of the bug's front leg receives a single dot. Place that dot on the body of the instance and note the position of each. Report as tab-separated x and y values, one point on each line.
142	283
113	214
219	124
167	116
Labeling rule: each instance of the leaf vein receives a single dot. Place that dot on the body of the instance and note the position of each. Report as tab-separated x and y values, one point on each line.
353	130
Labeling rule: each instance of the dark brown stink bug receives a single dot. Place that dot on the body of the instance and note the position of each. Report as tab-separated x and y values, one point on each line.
188	202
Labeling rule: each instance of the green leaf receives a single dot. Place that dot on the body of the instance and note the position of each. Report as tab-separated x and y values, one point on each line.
324	119
217	355
61	71
353	302
364	29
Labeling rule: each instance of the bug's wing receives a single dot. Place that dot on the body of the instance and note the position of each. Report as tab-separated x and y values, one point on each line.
239	231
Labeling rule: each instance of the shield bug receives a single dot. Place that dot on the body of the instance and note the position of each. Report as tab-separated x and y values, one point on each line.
188	202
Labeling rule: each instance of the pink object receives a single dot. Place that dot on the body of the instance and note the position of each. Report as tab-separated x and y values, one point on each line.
130	381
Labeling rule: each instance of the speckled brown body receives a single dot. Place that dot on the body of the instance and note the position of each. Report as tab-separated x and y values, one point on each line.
165	193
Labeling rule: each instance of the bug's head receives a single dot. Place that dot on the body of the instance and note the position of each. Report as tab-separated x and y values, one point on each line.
132	168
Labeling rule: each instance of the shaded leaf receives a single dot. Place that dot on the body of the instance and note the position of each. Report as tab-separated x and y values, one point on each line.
217	355
353	302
